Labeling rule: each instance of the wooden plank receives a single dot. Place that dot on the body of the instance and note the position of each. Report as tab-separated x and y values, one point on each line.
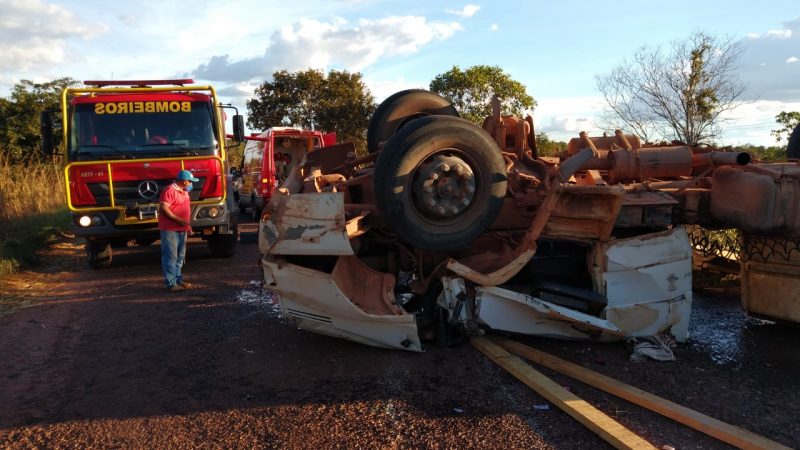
594	419
723	431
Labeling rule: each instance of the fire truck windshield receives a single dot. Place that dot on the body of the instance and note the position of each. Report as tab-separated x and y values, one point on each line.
121	130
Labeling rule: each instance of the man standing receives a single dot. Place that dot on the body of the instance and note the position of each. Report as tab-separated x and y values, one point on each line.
174	222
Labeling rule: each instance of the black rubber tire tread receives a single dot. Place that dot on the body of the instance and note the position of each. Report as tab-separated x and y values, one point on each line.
793	147
393	112
98	255
224	245
414	144
255	214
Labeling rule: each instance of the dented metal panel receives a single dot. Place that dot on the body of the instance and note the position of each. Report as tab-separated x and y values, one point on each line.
317	303
305	224
648	283
505	310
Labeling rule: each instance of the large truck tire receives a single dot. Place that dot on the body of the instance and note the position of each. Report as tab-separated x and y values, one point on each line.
224	245
793	148
255	212
98	254
440	183
401	108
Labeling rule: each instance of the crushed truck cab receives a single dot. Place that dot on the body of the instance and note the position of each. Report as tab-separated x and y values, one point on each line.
446	228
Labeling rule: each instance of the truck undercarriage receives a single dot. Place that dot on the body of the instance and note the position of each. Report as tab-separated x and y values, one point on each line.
447	228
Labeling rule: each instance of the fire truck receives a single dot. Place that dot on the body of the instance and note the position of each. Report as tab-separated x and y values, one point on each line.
268	158
124	142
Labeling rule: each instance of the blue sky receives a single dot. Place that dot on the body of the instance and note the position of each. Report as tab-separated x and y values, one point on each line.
555	48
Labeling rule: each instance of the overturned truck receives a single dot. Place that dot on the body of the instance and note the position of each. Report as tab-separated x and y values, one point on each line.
446	228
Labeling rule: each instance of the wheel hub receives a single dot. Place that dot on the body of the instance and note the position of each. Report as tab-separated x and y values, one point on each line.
444	186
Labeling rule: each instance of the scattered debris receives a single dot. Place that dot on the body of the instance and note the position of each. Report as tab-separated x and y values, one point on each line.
657	347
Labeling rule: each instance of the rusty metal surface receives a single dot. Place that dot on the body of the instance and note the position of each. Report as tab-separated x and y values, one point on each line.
613	199
770	268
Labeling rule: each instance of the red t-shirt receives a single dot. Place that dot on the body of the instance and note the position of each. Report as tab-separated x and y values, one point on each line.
177	200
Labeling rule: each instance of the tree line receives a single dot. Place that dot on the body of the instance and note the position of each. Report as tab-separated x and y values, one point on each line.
680	92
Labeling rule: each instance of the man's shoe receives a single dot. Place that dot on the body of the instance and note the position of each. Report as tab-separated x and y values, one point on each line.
185	285
176	288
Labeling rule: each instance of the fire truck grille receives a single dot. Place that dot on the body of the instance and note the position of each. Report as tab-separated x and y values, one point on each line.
133	193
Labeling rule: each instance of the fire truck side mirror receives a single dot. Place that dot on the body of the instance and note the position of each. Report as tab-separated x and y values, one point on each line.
238	128
48	147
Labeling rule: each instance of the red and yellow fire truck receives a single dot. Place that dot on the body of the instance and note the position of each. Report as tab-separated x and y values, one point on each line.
124	142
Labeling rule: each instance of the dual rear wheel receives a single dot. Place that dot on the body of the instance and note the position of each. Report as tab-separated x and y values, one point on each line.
439	180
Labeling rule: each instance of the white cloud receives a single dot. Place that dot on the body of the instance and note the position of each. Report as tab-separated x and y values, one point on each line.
562	118
381	89
35	34
465	12
316	44
791	59
780	34
494	27
764	65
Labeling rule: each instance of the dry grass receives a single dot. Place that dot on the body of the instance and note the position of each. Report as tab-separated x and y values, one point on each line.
29	189
32	209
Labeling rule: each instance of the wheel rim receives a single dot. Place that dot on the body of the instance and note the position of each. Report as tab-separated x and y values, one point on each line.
444	186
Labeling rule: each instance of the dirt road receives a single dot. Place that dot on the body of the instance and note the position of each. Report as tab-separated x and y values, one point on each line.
110	359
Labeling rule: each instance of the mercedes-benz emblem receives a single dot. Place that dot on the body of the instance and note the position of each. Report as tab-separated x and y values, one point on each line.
148	189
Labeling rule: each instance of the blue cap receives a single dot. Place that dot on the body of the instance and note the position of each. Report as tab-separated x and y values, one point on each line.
185	175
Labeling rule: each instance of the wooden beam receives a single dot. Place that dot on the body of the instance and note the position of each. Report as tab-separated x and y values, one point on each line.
723	431
594	419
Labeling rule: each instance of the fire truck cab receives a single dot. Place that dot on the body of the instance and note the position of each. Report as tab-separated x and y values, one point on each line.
124	142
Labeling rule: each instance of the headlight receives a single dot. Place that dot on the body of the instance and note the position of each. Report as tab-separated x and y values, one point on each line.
96	220
202	213
85	221
213	212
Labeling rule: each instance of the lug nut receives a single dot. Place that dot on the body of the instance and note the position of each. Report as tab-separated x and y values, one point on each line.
431	202
465	202
455	210
443	167
440	210
434	176
471	189
428	189
459	169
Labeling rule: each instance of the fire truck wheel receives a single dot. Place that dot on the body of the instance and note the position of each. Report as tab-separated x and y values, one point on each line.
399	109
793	148
441	183
98	254
223	245
255	213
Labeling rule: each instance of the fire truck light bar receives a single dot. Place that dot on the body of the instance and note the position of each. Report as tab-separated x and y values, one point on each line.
139	83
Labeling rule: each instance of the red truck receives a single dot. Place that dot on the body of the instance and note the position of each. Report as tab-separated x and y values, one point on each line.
268	159
124	142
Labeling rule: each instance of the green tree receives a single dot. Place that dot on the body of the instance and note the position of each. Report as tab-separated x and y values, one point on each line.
788	121
547	147
680	94
19	117
310	99
471	91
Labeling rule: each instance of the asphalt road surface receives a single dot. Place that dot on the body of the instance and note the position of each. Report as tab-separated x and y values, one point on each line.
111	359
